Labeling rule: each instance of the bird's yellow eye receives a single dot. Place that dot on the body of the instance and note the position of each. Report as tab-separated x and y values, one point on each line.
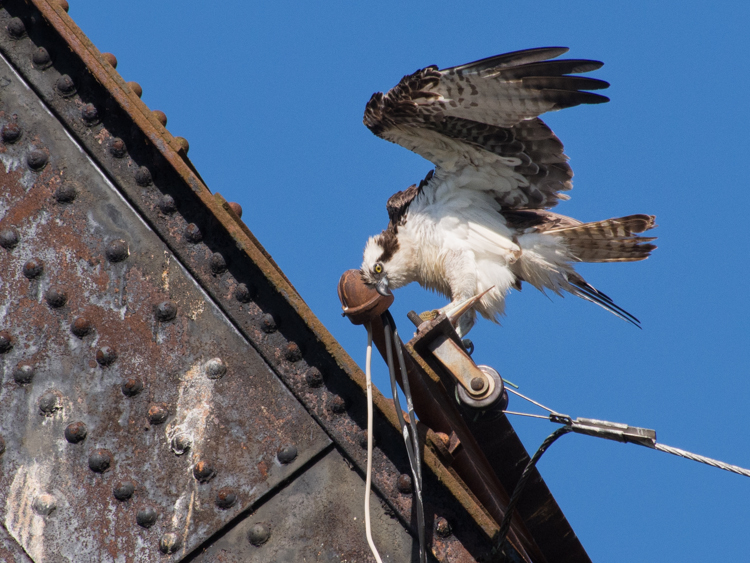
378	269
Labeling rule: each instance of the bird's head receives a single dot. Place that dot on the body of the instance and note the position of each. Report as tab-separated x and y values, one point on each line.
385	265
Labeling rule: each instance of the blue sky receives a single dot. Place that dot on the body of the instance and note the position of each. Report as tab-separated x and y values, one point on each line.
270	97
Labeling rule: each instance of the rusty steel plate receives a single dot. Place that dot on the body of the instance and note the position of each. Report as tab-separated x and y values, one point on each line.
126	393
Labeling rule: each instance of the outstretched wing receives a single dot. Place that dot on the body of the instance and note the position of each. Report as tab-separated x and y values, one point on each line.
485	114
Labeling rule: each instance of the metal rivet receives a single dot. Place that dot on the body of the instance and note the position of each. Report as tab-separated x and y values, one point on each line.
90	114
158	413
75	432
124	490
226	498
193	233
81	327
167	204
477	383
259	534
143	177
338	404
292	352
135	88
236	207
268	324
41	58
2	445
37	159
9	238
215	368
56	297
117	148
203	472
111	59
117	250
287	454
65	86
106	356
100	461
65	193
11	132
183	142
24	373
33	268
403	484
443	528
146	517
131	387
169	543
49	403
243	294
160	116
313	377
181	443
165	311
363	440
6	341
16	28
44	504
218	264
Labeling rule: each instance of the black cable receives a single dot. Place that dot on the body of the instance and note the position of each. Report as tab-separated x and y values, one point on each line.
505	524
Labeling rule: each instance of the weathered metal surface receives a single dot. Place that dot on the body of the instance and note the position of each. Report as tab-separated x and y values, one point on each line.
134	377
324	502
195	235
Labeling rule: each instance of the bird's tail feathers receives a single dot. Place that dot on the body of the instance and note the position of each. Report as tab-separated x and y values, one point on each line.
611	240
584	290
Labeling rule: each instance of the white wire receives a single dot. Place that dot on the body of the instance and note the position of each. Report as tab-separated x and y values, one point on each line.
368	479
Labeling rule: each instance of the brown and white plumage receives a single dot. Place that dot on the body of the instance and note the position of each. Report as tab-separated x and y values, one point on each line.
481	219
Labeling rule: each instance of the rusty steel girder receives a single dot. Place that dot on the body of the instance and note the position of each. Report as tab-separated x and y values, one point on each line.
165	393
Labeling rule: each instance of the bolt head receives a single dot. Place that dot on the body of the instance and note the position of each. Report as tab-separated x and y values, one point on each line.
106	356
158	413
11	132
287	454
169	543
117	251
167	204
259	534
218	264
203	472
41	58
313	377
143	177
215	368
146	517
166	311
124	490
49	403
90	114
131	387
6	341
443	528
65	86
338	404
24	373
37	159
477	383
268	324
193	234
33	268
44	504
292	352
404	484
65	193
117	148
181	443
100	461
226	498
81	327
76	432
56	297
16	28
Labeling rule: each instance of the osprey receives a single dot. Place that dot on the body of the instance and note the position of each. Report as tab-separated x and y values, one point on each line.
480	221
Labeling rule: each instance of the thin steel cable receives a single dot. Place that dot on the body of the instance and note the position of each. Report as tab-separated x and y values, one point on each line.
368	478
527	414
531	400
412	443
505	524
702	459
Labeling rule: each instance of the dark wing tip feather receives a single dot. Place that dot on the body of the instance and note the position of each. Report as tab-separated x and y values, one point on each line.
524	56
588	292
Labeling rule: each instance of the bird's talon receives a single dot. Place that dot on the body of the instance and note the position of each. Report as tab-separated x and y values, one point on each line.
468	346
429	315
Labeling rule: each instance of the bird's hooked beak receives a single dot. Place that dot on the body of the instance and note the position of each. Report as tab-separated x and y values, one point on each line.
382	287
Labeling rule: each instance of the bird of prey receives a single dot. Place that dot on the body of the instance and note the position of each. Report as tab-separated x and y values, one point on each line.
480	220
